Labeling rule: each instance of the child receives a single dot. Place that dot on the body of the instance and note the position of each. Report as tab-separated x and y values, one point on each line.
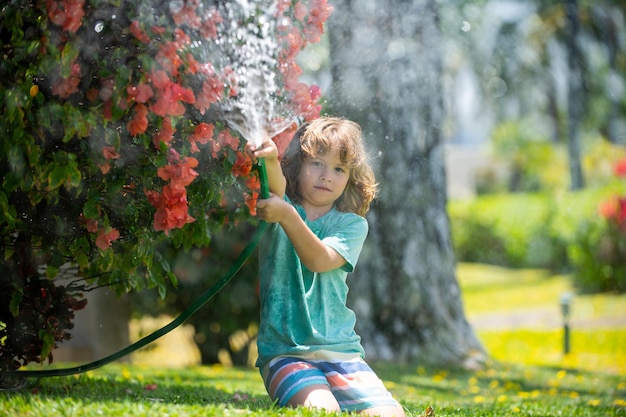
309	353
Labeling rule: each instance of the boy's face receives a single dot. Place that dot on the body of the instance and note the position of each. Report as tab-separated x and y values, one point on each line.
322	180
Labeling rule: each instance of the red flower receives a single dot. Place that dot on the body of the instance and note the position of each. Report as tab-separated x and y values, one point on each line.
299	11
305	100
180	174
104	239
141	93
208	29
139	123
107	110
169	96
109	153
252	195
187	15
620	216
284	137
138	33
614	209
225	138
620	168
172	208
90	224
608	208
318	13
242	166
165	133
65	87
168	58
202	134
212	92
66	13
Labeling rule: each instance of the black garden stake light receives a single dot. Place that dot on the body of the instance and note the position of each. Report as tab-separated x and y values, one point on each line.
566	303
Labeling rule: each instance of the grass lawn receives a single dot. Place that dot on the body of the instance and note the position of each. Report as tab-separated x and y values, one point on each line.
529	374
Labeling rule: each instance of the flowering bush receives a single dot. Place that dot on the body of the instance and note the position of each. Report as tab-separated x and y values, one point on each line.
600	258
114	139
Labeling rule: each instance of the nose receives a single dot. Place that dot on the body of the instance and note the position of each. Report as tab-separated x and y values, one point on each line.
325	175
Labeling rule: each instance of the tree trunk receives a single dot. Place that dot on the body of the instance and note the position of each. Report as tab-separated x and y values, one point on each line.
575	98
387	76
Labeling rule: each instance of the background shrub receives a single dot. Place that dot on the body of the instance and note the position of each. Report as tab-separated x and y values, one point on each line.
561	231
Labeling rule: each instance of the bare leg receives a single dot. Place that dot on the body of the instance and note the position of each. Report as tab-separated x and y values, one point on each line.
385	411
315	396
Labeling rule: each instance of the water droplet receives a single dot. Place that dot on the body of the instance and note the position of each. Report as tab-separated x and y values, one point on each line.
99	26
176	6
466	26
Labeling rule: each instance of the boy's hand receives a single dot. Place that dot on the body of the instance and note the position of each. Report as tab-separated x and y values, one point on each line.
267	150
273	209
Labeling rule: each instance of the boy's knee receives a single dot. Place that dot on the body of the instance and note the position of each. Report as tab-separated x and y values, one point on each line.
315	396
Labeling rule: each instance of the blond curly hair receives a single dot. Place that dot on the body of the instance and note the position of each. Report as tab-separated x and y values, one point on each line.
317	138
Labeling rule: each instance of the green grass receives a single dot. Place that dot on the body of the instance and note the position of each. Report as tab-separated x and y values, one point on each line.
528	375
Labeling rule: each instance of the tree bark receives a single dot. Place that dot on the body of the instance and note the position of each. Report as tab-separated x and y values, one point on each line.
387	69
575	95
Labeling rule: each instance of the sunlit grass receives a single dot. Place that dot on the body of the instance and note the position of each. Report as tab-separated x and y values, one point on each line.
528	373
590	350
492	289
498	390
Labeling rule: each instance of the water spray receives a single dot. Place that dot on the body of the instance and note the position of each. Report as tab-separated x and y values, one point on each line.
249	47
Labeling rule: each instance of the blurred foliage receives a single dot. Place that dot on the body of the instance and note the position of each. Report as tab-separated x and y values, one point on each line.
533	162
558	230
225	327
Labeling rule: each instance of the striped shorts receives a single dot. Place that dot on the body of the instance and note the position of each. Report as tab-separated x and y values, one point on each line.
353	383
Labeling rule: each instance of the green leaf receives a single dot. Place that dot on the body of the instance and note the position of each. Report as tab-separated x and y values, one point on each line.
74	176
90	209
173	279
16	300
68	57
51	271
162	290
82	260
56	177
47	344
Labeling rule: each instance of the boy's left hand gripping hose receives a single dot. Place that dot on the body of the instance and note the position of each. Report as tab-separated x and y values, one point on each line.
14	379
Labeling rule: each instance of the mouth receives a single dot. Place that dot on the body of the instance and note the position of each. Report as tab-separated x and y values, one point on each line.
323	189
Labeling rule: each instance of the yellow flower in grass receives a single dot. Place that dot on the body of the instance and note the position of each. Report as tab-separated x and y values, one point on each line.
621	386
511	386
516	409
574	394
594	402
479	399
619	403
494	384
561	374
440	376
523	394
126	373
502	398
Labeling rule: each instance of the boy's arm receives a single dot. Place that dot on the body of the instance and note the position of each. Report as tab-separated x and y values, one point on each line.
313	253
275	178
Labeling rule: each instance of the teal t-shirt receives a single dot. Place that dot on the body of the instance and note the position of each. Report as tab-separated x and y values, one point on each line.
303	311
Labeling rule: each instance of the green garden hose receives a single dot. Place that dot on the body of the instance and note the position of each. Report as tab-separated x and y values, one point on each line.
8	377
